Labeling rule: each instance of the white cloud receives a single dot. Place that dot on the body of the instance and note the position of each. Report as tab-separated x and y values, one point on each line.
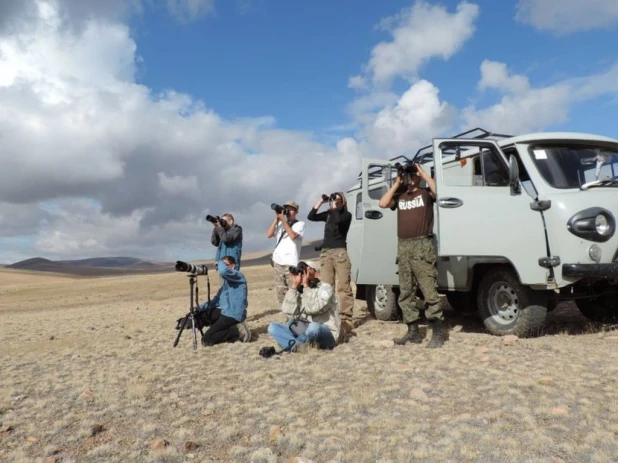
495	75
414	119
394	124
524	108
120	170
419	33
190	10
567	16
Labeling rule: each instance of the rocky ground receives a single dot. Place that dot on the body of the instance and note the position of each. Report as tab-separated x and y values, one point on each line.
89	374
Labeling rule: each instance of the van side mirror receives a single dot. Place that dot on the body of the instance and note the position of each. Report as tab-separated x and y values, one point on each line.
514	176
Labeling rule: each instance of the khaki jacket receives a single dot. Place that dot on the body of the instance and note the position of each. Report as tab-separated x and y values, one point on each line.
317	305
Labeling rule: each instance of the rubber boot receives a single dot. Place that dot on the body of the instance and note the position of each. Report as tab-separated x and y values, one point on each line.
438	334
413	335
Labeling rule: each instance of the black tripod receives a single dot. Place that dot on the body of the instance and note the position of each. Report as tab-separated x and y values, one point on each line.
191	318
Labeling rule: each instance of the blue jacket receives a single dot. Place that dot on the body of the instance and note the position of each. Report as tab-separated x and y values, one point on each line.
228	242
232	295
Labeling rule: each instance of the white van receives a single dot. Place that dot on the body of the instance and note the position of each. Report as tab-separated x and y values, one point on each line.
521	223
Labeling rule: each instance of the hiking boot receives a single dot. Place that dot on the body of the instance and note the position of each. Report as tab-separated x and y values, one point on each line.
245	333
413	335
438	335
345	330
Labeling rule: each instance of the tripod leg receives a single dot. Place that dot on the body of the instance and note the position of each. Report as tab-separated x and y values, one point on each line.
180	332
194	333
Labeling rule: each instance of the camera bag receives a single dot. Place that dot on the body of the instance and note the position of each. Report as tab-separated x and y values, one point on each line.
298	327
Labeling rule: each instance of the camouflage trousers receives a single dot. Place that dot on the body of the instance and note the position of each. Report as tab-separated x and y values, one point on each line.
283	280
417	270
335	263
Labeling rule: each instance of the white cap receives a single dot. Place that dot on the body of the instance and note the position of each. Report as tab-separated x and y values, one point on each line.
312	264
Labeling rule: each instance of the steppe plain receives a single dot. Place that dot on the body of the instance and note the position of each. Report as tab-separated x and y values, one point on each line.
89	374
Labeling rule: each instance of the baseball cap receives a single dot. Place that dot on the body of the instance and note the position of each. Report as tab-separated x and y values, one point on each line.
293	204
313	264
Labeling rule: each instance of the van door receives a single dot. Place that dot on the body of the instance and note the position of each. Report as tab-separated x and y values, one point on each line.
478	216
379	236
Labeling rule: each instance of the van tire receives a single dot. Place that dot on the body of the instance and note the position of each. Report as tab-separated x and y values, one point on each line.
599	309
462	301
382	302
523	315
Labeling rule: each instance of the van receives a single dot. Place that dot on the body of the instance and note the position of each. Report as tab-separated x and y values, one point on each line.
521	223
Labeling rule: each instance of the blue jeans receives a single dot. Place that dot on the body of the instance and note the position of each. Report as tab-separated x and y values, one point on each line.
315	332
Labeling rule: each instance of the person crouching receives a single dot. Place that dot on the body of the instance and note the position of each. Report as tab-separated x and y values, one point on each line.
313	308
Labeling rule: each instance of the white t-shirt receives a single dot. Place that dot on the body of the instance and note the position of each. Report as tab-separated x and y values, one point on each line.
288	250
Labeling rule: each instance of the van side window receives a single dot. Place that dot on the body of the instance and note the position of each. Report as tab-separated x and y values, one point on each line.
476	166
359	206
377	193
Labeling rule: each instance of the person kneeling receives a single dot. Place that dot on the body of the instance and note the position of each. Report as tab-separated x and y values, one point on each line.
313	308
227	311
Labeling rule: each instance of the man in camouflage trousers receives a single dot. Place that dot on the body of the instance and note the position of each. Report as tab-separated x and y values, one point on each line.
416	256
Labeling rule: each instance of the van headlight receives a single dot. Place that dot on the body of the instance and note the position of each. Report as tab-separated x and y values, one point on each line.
594	224
602	225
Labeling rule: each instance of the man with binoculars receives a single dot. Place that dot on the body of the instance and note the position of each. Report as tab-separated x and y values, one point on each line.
416	255
334	260
289	234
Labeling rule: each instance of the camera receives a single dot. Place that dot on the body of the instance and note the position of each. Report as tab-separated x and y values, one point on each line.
279	209
299	269
215	219
195	269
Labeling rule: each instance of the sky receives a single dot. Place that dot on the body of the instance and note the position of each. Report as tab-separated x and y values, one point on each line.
123	123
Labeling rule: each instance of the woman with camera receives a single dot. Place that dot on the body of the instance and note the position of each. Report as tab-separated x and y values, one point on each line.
314	310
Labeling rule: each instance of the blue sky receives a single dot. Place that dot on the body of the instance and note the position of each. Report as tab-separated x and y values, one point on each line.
292	60
124	123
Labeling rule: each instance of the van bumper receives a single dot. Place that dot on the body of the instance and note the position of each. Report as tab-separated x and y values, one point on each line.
590	270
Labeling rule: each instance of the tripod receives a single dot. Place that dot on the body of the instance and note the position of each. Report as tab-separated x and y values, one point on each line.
192	318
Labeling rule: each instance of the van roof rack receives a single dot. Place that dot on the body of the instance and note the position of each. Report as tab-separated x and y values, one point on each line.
424	155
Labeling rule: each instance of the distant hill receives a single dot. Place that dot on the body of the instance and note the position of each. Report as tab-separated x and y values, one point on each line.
114	266
109	262
98	266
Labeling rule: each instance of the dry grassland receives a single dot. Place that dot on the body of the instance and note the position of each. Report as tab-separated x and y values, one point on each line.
88	374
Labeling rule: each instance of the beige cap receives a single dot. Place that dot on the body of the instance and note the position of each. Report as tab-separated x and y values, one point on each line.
293	204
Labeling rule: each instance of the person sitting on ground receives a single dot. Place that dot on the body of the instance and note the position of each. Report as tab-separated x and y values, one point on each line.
227	311
312	301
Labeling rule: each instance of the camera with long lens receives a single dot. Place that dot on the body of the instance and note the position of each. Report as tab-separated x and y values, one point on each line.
215	219
280	209
299	269
190	268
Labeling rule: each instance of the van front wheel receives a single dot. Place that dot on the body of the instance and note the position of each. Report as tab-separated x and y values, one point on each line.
508	307
382	302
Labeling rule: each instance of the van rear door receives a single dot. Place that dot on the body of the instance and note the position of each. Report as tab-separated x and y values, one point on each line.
378	246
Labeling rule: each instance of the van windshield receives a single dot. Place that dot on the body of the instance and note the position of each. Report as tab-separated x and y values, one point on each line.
571	166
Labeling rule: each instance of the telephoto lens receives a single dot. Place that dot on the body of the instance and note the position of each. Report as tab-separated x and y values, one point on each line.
275	207
324	197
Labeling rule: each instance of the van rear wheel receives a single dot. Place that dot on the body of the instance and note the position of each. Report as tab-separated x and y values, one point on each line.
382	302
508	307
